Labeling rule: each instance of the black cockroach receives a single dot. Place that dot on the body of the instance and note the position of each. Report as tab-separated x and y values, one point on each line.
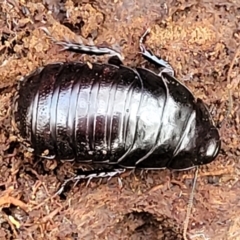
115	115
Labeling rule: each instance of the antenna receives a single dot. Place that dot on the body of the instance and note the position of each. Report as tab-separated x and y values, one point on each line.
190	204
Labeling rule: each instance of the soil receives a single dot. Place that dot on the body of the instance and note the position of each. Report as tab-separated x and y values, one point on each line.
200	39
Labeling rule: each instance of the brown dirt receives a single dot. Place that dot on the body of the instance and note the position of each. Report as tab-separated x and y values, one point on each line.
199	38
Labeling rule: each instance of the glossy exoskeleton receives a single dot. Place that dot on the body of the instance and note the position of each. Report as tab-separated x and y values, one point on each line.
113	114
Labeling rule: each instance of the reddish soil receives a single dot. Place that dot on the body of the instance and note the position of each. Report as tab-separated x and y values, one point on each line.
200	39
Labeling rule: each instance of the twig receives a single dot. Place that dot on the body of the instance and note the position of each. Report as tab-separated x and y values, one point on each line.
11	225
51	215
7	199
229	86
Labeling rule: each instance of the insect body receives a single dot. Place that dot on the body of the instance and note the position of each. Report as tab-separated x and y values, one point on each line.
112	114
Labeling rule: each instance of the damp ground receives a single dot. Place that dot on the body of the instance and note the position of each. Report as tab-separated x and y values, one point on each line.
200	40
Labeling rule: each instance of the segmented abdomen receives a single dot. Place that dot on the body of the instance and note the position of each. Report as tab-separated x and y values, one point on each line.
106	113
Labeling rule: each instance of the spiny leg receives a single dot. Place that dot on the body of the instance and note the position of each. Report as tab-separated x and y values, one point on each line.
167	68
90	176
89	49
79	47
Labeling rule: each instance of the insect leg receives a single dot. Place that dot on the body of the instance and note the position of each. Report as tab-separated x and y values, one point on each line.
79	177
147	54
79	47
89	49
115	60
50	157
